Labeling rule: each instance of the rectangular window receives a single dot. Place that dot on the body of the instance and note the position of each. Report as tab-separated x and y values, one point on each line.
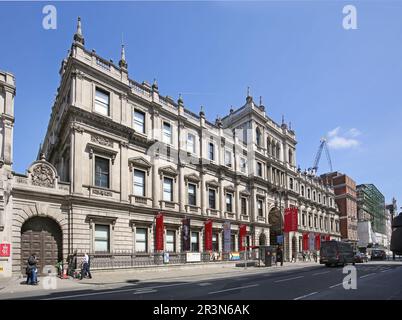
228	158
233	242
167	133
192	200
194	242
170	241
191	143
243	164
229	202
259	169
212	198
102	102
244	206
139	121
141	240
167	189
304	219
102	238
211	151
101	172
259	208
139	183
215	245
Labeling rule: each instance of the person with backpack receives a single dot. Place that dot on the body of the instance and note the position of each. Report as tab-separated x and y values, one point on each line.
32	270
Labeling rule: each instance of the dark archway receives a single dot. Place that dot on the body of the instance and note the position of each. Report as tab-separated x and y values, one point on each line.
274	220
42	236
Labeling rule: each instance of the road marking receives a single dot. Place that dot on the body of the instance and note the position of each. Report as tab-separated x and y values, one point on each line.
385	270
114	291
366	275
231	289
288	279
335	285
145	291
204	284
305	296
316	274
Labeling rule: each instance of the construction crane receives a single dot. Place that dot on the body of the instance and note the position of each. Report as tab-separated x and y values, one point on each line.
323	145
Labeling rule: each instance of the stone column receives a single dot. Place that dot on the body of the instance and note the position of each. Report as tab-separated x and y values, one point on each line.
237	201
203	193
76	157
124	187
155	182
182	189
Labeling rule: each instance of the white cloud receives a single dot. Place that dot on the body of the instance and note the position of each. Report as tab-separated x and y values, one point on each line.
346	140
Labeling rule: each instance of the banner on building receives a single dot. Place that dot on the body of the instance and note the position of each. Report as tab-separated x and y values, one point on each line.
291	217
193	257
208	235
327	238
311	241
242	237
305	241
226	237
5	249
317	242
234	256
159	232
186	234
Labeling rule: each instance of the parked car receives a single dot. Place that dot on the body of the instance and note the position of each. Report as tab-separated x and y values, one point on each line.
333	253
361	257
378	255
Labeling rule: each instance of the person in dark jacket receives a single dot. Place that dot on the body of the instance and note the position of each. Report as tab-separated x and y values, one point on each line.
32	270
279	255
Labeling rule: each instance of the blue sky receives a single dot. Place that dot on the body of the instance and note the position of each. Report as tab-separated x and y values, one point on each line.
328	81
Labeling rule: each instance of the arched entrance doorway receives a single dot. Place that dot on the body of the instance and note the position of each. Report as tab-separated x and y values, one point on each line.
42	236
274	219
262	239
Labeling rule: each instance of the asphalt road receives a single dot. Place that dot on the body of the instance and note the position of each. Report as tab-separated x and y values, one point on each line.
374	281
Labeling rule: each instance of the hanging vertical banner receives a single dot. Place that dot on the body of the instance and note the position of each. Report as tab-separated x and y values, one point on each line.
208	235
311	241
226	237
186	234
305	241
159	232
327	238
290	219
242	237
317	241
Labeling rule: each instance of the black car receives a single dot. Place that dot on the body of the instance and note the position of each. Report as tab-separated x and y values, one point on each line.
333	253
378	255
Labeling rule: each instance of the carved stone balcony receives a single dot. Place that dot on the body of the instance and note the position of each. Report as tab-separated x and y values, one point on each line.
193	209
213	213
140	200
169	205
244	218
230	215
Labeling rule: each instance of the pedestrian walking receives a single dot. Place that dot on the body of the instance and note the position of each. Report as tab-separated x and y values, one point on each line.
85	267
31	270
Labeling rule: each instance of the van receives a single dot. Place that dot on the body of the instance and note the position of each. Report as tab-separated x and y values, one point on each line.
333	253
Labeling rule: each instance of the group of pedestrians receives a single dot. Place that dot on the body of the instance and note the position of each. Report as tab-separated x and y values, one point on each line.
32	269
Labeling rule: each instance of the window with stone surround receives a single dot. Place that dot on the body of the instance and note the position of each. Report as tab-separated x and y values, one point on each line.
102	172
229	202
244	206
102	102
195	241
211	151
139	121
170	240
102	238
260	208
192	194
212	198
141	240
139	183
167	132
167	189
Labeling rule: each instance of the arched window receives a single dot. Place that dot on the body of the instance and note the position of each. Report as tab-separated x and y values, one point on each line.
258	136
302	191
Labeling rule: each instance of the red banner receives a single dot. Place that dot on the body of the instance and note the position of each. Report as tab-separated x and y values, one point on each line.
159	232
5	249
317	242
305	241
208	235
242	237
291	215
327	238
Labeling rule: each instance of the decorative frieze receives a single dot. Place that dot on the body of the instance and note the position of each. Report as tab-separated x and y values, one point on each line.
101	192
102	140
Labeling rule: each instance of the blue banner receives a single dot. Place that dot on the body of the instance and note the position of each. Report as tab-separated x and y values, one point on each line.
279	239
226	237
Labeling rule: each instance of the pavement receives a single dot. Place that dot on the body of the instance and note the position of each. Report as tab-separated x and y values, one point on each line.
293	281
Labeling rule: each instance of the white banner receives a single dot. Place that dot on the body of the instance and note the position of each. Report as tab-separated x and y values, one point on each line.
193	257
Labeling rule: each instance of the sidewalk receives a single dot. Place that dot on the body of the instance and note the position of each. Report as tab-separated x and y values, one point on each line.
107	279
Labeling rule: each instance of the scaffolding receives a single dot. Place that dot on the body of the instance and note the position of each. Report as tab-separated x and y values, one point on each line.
371	206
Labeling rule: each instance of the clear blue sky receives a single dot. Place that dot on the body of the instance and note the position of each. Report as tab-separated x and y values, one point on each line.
346	84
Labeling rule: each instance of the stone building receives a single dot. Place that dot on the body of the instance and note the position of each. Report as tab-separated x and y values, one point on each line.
346	199
117	153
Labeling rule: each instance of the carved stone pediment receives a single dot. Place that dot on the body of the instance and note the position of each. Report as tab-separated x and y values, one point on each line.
213	184
43	174
229	189
192	177
139	162
168	171
245	193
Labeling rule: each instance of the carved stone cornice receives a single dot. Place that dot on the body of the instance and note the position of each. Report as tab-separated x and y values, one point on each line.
139	162
168	171
192	177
